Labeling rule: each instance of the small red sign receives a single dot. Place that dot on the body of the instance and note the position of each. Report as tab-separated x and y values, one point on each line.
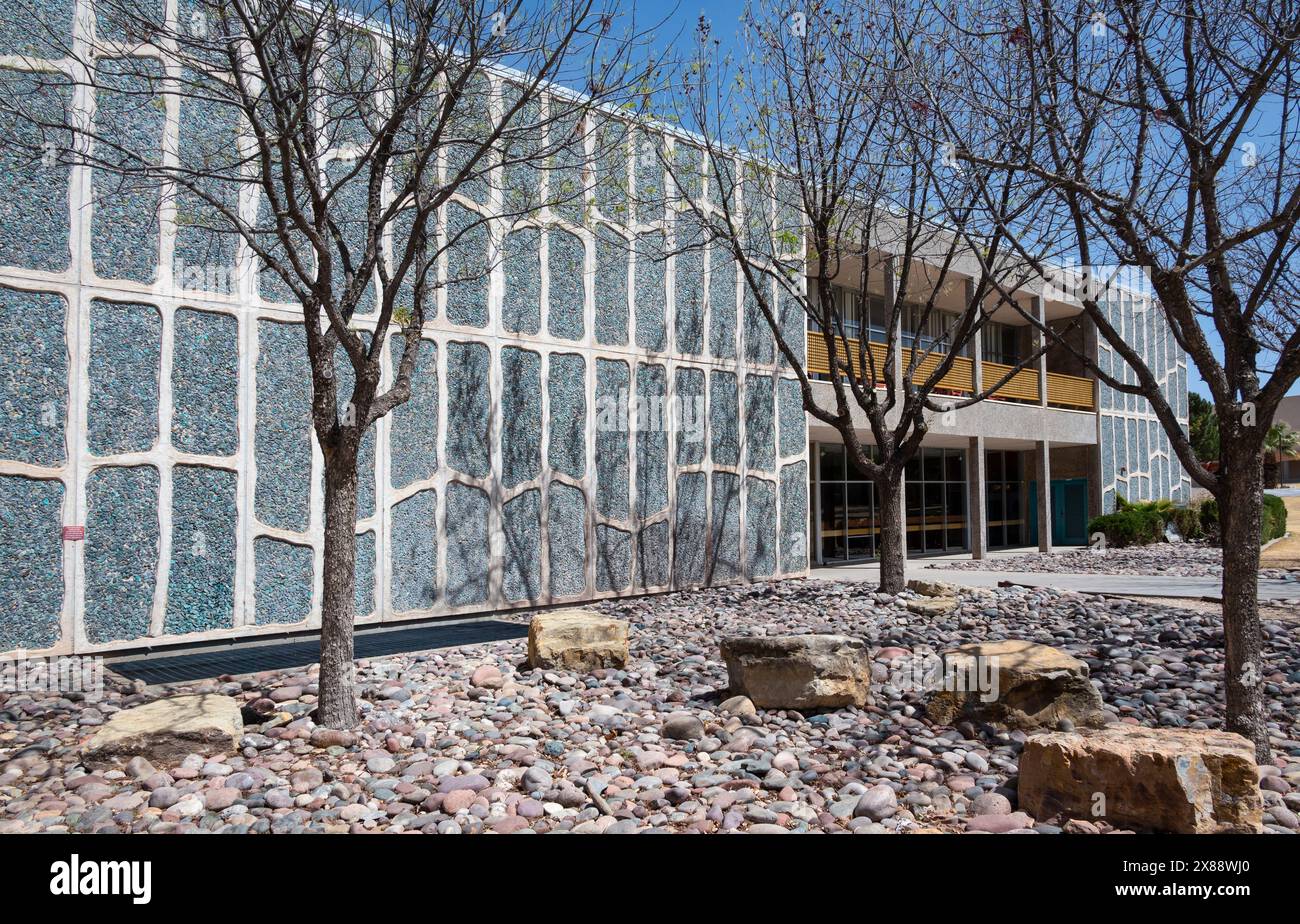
74	533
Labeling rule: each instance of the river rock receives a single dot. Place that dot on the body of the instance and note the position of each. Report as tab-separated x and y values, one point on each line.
1184	781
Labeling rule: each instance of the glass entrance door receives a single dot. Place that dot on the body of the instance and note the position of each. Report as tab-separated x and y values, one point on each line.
848	504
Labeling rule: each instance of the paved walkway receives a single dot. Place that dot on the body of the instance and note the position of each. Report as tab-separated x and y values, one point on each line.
1123	585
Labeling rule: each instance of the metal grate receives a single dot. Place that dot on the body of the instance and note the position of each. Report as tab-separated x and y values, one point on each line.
254	658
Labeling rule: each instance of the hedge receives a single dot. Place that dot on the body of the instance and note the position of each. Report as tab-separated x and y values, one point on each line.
1129	526
1272	518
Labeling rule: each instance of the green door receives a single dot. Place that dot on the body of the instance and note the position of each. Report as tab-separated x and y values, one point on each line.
1069	511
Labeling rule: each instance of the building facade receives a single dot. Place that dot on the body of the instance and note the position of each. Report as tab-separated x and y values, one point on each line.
589	417
1053	447
592	415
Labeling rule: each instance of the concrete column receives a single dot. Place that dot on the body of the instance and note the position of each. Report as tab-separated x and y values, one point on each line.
976	345
1040	312
900	363
902	511
977	498
1043	456
1094	456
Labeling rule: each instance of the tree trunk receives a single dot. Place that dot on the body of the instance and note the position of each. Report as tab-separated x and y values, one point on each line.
337	706
1239	515
893	535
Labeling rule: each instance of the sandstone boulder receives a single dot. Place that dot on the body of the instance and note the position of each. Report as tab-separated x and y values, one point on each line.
577	640
1015	683
1183	781
799	671
933	588
166	730
932	606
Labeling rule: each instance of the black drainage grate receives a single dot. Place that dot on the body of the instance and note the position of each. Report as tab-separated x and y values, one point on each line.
253	658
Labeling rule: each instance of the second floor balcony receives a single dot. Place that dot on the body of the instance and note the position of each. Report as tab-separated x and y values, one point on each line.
1002	347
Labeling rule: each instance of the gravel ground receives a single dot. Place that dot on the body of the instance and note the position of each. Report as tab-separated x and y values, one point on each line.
468	740
1178	559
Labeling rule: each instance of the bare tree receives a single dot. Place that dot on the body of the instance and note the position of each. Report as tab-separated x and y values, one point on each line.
357	129
840	188
1165	133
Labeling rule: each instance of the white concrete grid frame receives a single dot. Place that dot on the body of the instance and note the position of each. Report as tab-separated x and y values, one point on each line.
79	285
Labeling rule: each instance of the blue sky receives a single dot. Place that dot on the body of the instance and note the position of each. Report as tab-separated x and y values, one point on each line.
724	16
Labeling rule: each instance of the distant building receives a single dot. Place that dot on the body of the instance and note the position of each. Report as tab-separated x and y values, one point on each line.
1288	412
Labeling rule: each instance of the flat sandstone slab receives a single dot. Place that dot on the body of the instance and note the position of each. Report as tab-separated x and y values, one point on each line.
1183	781
167	730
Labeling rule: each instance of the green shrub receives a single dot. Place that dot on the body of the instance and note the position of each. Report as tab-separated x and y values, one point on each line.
1272	520
1210	518
1187	520
1130	525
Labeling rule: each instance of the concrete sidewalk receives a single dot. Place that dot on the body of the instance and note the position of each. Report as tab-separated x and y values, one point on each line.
1124	585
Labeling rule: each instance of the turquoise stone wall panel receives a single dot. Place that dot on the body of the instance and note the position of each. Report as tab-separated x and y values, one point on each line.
521	416
282	443
613	558
611	287
468	264
725	525
413	436
284	581
612	468
651	294
521	524
364	591
129	121
415	552
469	407
652	558
37	30
34	168
651	440
121	552
566	301
468	549
205	383
760	527
33	377
792	418
566	384
31	582
125	364
567	531
760	436
521	307
692	430
201	578
794	516
724	418
691	529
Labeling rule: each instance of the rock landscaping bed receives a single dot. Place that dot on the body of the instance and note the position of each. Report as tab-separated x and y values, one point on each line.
1176	559
475	740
